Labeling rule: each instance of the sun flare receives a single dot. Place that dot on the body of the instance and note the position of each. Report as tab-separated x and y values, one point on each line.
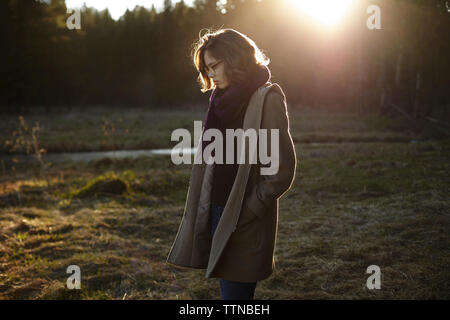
327	12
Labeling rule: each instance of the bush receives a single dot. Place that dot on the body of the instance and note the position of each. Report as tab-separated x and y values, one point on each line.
106	184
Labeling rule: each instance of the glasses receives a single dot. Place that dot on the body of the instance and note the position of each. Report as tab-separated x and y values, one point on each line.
213	67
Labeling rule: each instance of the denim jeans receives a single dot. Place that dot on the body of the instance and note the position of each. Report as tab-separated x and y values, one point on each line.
231	290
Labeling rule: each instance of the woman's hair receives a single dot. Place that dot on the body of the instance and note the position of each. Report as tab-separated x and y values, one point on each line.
240	54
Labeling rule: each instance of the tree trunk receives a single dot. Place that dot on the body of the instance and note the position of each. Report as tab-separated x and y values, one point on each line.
360	103
398	69
417	93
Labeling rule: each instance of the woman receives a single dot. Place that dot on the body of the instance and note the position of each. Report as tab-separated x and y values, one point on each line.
231	214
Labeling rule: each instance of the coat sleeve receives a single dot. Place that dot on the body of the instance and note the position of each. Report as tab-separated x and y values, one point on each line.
271	187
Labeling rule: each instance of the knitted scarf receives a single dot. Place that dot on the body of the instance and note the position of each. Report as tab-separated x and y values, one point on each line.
226	105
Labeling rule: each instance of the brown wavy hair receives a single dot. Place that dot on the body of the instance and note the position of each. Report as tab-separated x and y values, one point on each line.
240	54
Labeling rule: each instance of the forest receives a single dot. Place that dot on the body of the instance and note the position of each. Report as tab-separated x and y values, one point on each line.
145	59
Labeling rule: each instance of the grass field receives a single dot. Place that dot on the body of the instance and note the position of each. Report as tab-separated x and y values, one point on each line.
368	191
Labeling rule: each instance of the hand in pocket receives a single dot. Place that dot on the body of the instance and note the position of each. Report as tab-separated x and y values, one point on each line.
246	216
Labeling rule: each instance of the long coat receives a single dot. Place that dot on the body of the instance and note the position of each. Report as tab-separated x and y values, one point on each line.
242	248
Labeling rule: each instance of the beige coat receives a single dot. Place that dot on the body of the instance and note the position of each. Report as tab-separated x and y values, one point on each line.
242	248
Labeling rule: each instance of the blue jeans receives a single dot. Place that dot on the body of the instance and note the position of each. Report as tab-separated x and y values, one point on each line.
231	290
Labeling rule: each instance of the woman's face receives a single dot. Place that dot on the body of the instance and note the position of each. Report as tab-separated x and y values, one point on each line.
216	70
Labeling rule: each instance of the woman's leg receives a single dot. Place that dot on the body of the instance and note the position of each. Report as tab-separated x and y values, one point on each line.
232	290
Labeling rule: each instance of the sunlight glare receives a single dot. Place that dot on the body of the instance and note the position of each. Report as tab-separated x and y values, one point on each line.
327	12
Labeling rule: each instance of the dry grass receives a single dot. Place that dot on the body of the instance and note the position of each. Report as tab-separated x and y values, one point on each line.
352	205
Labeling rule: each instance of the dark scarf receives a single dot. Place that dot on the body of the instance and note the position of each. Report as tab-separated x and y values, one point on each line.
226	105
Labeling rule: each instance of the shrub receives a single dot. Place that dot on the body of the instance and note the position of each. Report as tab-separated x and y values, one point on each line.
106	184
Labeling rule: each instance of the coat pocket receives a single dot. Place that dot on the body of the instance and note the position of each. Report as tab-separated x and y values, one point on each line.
247	235
246	216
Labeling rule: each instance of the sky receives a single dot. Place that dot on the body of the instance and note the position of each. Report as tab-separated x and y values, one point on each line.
327	12
117	8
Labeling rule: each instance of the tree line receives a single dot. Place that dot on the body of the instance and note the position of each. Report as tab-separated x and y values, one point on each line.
144	58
